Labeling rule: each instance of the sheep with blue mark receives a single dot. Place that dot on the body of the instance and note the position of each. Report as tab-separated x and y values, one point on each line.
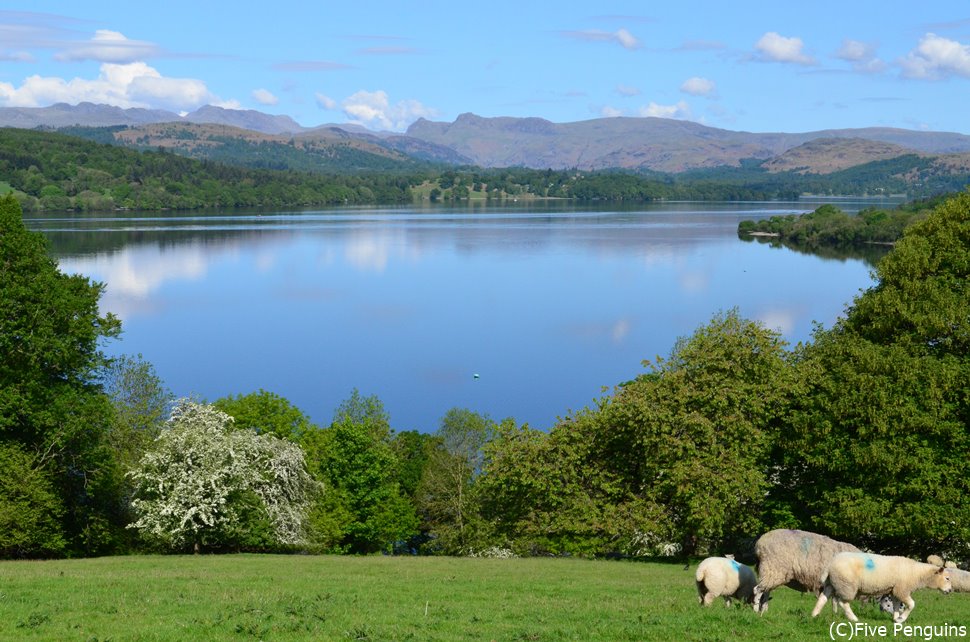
724	577
853	574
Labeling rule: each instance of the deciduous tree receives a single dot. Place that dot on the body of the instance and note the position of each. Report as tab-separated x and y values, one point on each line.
51	404
876	454
204	485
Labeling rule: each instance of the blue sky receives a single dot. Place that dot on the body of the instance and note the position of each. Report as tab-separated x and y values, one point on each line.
743	65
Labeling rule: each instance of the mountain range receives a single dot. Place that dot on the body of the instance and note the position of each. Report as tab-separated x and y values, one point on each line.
655	144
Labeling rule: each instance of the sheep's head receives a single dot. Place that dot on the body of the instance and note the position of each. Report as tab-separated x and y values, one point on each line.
941	580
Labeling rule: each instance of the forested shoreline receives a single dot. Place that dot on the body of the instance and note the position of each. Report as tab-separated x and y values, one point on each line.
830	227
856	434
50	171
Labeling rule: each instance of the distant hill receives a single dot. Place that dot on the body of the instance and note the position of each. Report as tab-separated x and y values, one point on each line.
658	144
92	115
244	119
330	150
827	155
82	114
256	139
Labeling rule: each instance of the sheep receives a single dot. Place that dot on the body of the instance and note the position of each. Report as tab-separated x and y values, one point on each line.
853	574
959	579
722	576
792	558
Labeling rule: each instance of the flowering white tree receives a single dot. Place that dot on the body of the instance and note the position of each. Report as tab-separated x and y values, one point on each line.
196	484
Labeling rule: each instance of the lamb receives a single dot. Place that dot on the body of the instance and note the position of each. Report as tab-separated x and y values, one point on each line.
793	558
722	576
853	574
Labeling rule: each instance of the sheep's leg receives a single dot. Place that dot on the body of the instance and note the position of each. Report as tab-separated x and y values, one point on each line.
823	597
708	599
847	609
727	601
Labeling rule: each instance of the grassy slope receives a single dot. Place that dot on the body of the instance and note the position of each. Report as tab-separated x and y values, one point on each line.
383	598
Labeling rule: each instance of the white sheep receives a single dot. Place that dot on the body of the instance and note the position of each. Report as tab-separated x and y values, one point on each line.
959	579
722	576
792	558
853	574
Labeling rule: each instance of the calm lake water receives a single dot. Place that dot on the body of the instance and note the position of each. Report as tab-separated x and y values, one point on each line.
547	306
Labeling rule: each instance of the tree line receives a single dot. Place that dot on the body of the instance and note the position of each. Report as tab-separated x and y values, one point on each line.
830	227
52	171
860	433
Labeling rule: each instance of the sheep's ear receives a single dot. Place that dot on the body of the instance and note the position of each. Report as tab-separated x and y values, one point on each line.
941	570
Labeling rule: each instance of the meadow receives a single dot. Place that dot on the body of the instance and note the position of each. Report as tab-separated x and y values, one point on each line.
299	597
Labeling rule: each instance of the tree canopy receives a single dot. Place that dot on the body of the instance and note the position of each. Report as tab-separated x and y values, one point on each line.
52	407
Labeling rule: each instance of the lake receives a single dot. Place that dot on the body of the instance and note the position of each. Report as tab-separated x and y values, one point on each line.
525	310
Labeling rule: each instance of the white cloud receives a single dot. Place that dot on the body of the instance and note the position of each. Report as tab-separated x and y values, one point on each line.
611	112
373	109
622	37
627	39
936	58
129	85
698	86
854	51
862	56
776	48
625	90
265	97
109	46
325	102
680	111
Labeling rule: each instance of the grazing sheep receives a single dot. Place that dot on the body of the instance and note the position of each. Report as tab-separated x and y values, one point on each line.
853	574
792	558
722	576
959	580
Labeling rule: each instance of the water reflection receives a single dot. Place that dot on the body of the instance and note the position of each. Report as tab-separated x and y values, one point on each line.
548	306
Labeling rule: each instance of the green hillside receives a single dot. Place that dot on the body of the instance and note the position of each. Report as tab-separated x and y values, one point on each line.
54	171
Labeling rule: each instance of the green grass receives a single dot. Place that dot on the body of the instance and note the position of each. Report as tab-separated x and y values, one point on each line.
268	597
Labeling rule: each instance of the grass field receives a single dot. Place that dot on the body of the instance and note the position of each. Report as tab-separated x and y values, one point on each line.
269	597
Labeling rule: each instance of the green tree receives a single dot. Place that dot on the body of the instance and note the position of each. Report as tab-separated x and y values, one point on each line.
542	493
141	405
360	469
266	413
51	405
30	510
876	450
690	441
363	510
445	495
